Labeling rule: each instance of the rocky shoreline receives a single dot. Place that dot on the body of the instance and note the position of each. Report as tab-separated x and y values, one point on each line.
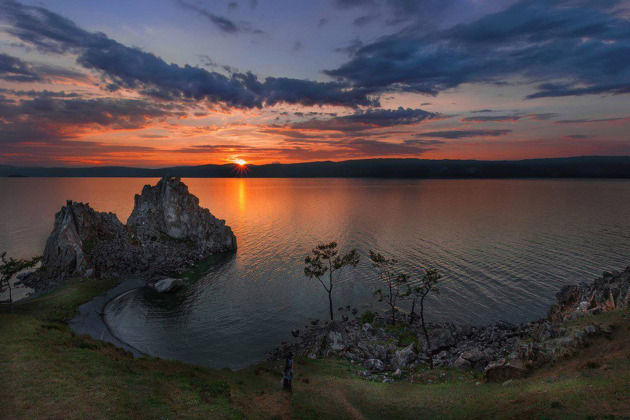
502	351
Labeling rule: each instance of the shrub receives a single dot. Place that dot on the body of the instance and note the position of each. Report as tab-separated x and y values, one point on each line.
367	317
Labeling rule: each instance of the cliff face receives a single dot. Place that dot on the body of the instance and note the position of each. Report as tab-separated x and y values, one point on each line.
84	240
169	210
166	232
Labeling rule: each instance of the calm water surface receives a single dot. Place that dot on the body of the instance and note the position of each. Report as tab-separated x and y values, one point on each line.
503	246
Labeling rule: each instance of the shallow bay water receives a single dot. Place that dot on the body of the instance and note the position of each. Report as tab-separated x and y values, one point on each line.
504	247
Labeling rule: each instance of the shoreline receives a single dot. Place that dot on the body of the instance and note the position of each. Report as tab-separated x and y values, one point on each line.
90	319
503	342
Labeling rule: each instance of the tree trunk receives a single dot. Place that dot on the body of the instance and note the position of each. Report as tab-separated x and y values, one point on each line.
330	305
426	333
330	284
413	311
10	297
393	314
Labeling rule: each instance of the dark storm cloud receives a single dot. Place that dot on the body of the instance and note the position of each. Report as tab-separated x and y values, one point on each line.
581	42
149	74
458	134
364	120
15	70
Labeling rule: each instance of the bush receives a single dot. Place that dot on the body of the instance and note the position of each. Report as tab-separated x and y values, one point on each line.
367	317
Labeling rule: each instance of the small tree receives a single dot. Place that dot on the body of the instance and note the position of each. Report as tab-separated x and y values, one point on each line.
9	268
325	259
386	269
427	284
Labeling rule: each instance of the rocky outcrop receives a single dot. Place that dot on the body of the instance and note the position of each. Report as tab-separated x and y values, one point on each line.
502	351
86	243
167	212
611	291
166	232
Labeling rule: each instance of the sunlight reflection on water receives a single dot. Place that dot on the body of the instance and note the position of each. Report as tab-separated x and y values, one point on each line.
504	247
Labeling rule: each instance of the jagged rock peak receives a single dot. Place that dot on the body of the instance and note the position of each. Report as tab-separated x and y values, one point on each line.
169	211
78	237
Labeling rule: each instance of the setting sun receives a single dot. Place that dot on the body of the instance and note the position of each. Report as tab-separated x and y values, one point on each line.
240	162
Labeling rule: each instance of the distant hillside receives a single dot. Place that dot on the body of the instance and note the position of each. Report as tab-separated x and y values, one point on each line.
577	167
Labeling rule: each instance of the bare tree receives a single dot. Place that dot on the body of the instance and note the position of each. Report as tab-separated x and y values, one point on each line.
325	259
9	268
428	283
394	281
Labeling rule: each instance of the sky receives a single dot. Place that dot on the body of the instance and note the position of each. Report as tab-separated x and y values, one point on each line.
153	83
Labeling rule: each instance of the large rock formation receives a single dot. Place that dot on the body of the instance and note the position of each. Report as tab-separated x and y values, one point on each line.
166	232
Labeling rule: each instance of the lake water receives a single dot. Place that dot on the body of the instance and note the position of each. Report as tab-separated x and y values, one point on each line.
504	247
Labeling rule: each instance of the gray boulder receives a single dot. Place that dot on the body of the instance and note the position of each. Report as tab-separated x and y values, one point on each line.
404	357
375	365
475	357
441	339
335	341
367	328
168	285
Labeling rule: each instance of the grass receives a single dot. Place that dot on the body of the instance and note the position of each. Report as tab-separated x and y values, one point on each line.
61	304
48	371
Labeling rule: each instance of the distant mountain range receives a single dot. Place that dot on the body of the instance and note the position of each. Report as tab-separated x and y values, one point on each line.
575	167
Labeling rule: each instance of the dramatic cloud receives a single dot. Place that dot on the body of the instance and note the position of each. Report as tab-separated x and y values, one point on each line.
493	118
508	118
49	118
364	120
224	24
149	74
458	134
15	70
584	43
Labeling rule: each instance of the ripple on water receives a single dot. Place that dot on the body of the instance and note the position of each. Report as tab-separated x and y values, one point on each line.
504	248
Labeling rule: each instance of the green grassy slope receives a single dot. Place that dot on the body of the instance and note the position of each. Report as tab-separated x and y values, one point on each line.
49	372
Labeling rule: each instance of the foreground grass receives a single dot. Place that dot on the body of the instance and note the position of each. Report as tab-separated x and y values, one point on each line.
48	371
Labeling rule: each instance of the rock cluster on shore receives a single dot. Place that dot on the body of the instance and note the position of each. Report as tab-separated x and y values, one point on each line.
166	232
502	350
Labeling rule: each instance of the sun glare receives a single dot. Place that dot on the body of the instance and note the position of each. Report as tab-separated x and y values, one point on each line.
240	162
